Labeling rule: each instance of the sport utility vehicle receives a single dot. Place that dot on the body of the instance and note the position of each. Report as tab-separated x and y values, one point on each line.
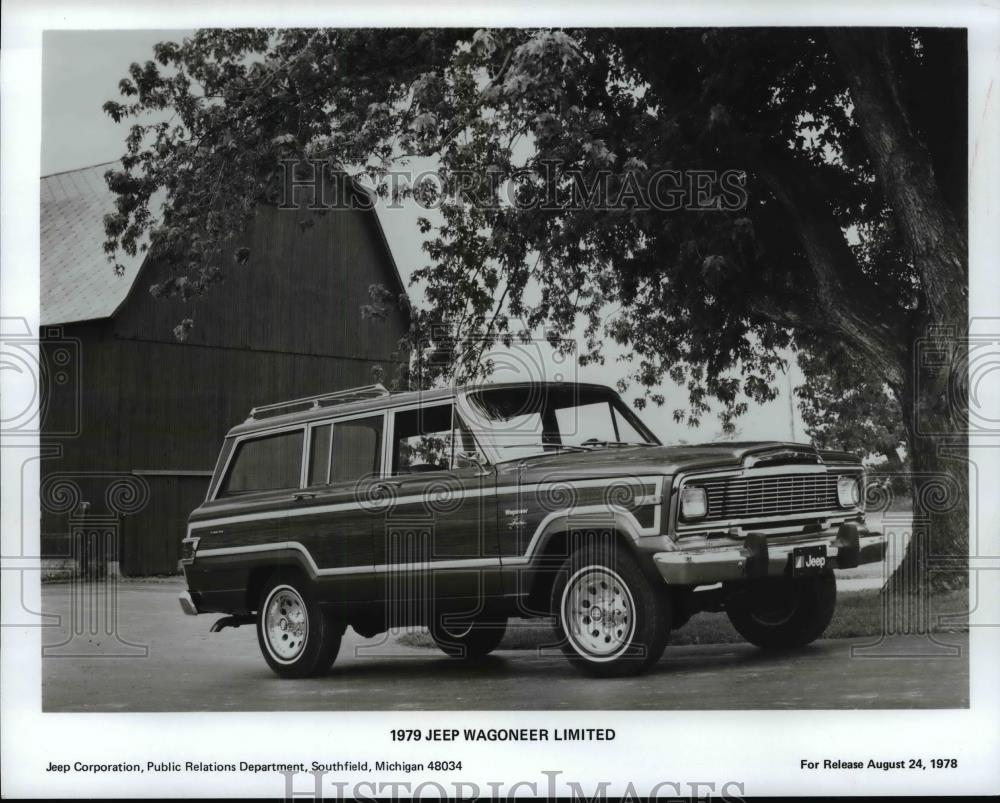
460	508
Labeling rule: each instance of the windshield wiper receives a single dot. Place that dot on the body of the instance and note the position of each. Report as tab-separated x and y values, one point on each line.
596	442
553	446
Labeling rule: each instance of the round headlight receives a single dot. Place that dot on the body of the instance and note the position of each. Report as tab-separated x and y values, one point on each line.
694	504
849	491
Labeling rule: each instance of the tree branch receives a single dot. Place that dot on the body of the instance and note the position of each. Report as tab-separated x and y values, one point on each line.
842	289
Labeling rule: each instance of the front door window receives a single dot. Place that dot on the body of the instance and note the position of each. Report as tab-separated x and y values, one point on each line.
430	439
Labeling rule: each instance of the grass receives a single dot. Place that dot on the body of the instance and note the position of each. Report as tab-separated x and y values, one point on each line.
901	503
859	613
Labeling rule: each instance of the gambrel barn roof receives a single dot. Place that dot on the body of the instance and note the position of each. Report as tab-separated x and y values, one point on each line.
78	283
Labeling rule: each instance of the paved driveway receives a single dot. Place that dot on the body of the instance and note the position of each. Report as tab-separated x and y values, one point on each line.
165	661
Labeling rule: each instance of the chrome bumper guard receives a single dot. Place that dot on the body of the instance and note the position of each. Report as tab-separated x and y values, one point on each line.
846	548
187	604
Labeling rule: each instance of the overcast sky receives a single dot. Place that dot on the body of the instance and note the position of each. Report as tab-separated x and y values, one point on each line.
81	70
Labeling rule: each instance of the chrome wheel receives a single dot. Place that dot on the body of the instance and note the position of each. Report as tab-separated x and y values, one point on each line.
286	624
598	613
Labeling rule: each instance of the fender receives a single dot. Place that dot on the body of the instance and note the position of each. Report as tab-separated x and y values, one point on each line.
591	517
225	577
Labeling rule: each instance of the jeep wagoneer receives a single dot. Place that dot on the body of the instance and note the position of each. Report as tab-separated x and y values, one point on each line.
457	509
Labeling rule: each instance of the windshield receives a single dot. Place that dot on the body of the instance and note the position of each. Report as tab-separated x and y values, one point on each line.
541	419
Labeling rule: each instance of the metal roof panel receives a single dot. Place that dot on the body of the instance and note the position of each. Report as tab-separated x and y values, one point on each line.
77	281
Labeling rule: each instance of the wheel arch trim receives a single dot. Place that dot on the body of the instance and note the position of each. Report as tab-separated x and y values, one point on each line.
560	522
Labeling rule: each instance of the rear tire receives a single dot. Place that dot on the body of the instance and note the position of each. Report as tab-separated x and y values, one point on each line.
296	637
613	621
467	639
786	612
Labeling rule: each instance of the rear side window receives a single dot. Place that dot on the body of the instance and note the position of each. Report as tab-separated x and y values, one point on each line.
269	463
319	455
357	449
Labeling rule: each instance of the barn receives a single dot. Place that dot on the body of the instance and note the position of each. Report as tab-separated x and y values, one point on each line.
132	419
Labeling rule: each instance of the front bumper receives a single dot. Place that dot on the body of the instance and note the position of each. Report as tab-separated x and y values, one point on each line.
846	547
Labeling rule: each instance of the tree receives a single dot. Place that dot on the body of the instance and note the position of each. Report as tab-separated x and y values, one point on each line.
844	407
840	226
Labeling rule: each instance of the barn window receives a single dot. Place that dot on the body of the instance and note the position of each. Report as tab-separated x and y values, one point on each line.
270	463
357	449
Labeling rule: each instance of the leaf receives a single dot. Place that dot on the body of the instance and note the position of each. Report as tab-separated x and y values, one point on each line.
183	330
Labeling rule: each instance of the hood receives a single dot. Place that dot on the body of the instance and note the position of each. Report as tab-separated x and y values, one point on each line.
636	460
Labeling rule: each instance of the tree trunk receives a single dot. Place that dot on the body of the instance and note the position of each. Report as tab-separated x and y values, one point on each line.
933	396
933	406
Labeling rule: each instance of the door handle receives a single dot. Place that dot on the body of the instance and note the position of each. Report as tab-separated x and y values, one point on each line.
301	495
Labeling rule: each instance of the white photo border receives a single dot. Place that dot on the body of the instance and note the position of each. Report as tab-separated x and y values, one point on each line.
651	747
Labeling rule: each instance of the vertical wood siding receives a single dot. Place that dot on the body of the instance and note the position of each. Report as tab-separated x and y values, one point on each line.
287	324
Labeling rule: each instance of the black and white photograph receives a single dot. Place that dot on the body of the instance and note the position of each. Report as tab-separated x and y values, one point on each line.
500	400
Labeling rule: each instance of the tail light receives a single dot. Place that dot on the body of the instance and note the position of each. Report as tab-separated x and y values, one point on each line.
189	546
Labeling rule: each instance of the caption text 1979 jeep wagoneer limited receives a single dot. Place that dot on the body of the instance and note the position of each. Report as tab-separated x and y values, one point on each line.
457	509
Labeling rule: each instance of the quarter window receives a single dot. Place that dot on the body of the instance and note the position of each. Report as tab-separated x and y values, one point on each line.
270	463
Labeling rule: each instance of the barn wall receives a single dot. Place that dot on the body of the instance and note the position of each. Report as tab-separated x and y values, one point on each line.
159	411
155	410
79	426
301	292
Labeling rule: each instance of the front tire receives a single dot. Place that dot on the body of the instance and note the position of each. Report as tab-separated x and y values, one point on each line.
467	639
296	637
784	613
613	621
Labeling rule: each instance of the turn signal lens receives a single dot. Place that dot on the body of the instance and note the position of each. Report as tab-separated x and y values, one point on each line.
694	504
849	491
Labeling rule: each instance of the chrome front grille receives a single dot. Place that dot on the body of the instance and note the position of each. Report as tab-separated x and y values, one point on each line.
777	495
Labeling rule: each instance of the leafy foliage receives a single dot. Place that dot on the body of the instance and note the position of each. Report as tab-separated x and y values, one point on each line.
844	408
706	297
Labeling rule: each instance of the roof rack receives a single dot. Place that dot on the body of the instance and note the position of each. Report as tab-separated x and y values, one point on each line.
316	402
